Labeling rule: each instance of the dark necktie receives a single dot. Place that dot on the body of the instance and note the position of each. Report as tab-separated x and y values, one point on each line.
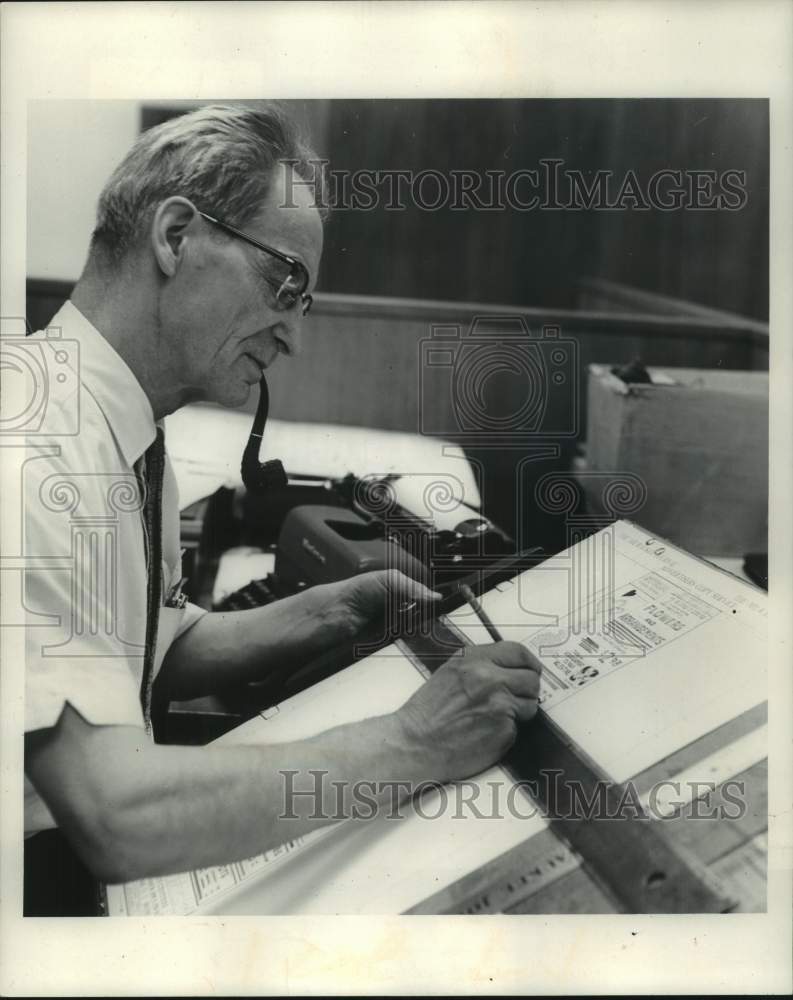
150	475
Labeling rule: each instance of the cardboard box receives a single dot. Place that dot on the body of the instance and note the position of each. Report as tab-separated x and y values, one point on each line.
700	444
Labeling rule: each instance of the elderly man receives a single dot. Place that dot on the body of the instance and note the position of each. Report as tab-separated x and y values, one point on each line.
200	273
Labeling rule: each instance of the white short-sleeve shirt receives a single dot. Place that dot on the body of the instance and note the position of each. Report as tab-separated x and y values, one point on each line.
85	593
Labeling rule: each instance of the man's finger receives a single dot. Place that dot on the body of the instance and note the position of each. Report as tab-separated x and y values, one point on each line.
511	654
406	588
520	683
525	709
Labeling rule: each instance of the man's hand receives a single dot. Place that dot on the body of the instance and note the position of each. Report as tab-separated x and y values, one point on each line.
341	610
466	716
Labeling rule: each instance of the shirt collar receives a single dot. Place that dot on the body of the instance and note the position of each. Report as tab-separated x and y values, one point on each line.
108	378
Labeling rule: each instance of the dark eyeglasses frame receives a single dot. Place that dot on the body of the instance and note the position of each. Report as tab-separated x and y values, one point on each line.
297	268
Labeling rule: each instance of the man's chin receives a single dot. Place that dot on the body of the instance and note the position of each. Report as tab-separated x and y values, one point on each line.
234	396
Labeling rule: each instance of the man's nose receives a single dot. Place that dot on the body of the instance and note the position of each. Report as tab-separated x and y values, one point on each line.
290	333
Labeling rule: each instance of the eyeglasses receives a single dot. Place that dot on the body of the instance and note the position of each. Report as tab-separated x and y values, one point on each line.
293	286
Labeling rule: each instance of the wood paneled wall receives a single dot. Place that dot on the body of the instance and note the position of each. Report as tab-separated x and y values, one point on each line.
599	295
716	257
362	357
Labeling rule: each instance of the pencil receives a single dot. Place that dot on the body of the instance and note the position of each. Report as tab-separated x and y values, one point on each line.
468	594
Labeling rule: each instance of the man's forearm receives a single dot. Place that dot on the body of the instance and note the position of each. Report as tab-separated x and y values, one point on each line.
232	647
237	646
141	809
132	808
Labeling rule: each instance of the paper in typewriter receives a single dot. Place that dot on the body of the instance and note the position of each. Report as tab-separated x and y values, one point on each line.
644	649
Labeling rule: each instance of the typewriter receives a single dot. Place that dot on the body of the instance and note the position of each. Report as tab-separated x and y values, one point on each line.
326	530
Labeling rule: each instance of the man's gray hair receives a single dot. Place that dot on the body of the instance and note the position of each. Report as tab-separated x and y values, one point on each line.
220	156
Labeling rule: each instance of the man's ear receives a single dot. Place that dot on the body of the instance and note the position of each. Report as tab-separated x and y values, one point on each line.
168	229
